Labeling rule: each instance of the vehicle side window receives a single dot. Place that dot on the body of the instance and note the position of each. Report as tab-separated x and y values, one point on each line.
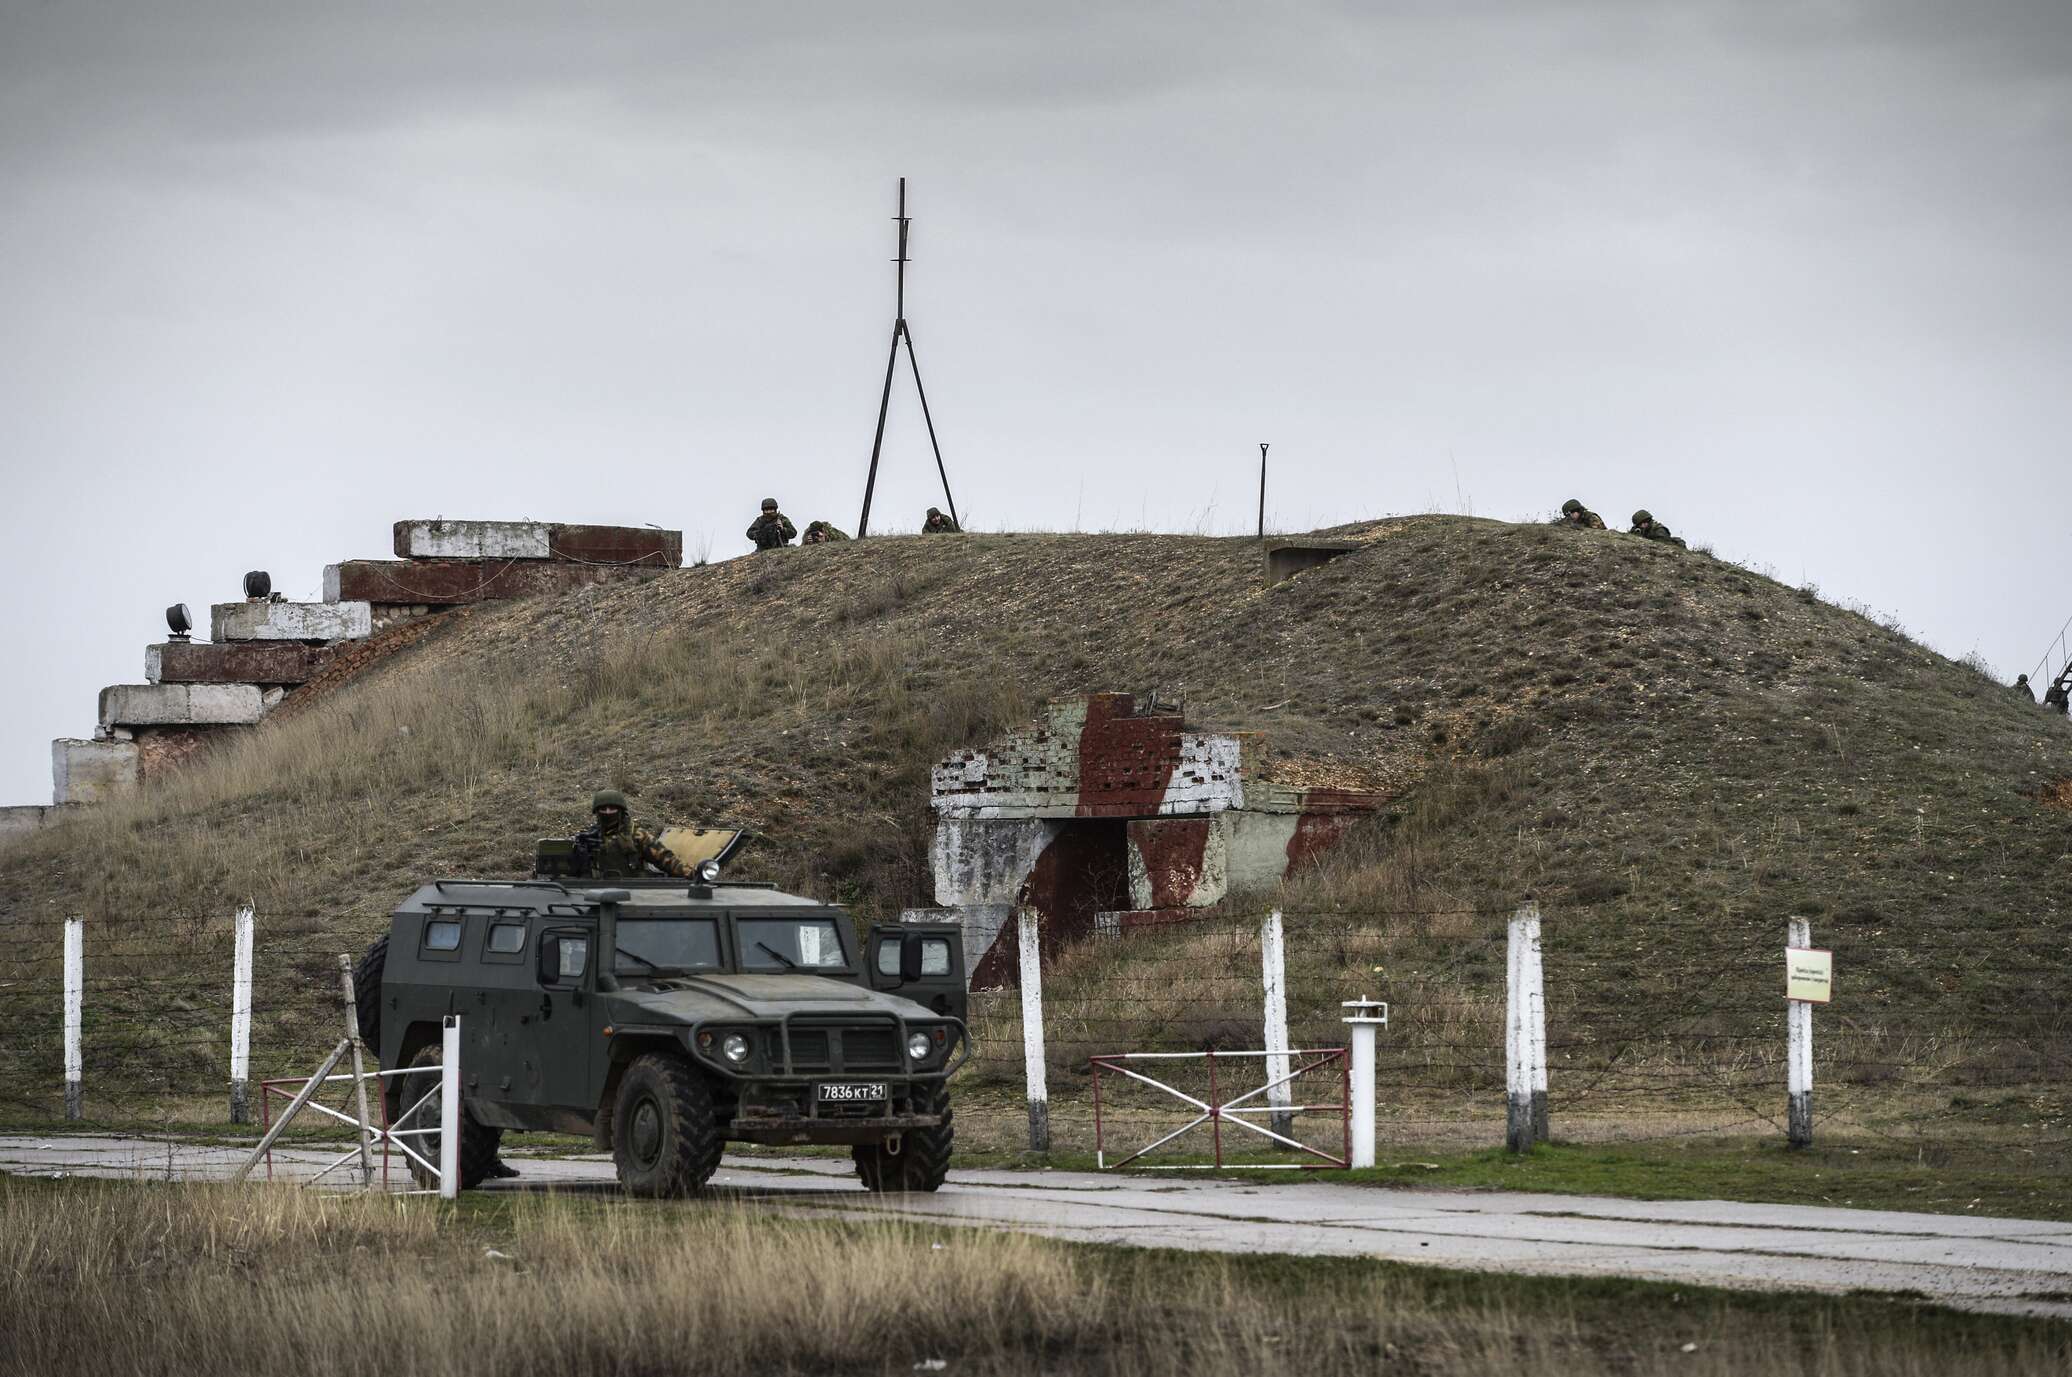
563	957
506	938
935	956
888	956
575	957
442	934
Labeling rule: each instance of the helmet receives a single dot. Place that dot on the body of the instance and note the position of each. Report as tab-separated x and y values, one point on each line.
1571	507
2020	679
1642	518
935	511
607	798
769	504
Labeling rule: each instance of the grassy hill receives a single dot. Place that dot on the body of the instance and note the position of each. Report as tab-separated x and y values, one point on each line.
1671	753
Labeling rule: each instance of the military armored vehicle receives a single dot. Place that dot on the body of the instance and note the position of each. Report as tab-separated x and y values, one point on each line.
664	1018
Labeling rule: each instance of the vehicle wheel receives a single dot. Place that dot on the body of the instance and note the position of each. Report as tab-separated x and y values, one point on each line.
478	1142
923	1159
665	1137
367	993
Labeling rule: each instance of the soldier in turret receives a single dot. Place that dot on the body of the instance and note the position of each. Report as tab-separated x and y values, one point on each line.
1645	525
772	529
615	847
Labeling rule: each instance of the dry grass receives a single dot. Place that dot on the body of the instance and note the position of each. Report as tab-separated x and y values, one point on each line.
105	1279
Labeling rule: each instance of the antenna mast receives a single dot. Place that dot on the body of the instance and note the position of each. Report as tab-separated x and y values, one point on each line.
901	334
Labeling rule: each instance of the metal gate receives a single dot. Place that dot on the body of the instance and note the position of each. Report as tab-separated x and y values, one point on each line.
1237	1111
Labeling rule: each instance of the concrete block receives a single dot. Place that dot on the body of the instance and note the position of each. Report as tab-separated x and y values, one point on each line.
233	662
291	621
453	582
502	540
19	820
91	771
183	705
473	540
983	861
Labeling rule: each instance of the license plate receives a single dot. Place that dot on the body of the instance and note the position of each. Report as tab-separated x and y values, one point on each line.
852	1092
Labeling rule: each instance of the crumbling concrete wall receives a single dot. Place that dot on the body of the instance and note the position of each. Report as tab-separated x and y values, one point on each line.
91	771
233	662
1101	818
538	540
21	819
455	583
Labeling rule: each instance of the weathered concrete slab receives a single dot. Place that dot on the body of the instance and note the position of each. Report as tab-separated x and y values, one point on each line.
233	662
91	771
502	540
454	582
1291	557
473	540
19	820
181	705
291	621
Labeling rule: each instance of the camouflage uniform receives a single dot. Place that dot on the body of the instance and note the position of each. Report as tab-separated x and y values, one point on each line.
1574	513
2056	699
622	848
771	529
938	524
1646	525
822	533
2021	686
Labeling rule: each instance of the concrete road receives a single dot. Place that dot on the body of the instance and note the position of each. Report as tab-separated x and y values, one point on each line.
2013	1265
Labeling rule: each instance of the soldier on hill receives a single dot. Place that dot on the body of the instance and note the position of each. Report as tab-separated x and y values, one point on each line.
616	847
2021	686
1574	513
1645	525
821	533
771	529
2058	697
938	524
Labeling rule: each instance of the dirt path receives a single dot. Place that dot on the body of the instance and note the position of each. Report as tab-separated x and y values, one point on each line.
2013	1265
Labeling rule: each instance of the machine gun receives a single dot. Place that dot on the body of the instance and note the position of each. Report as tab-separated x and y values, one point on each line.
575	857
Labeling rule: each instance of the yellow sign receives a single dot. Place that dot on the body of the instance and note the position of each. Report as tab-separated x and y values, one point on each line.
1809	975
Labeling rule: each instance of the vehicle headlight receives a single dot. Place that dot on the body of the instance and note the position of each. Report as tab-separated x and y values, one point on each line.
734	1047
917	1046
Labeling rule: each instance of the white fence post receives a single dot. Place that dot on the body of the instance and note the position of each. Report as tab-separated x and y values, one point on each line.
75	1001
1798	1022
1517	1053
241	1017
1536	1020
1028	940
1366	1016
1274	976
449	1109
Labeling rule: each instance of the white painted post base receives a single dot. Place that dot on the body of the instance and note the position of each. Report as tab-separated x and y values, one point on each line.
1274	977
241	1018
1029	944
1517	1068
75	1003
1366	1017
1798	1022
449	1109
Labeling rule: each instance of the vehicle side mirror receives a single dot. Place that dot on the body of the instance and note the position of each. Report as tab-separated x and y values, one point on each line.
910	959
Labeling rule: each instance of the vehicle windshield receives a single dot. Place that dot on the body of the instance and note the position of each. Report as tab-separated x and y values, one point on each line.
668	944
790	944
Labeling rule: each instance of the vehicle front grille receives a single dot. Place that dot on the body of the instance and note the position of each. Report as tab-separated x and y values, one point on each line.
841	1050
870	1049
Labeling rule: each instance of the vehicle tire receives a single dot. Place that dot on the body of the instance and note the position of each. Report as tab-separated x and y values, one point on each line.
367	993
478	1142
665	1137
923	1159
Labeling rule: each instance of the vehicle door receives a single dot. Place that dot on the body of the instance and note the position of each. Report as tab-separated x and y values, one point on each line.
923	962
561	1034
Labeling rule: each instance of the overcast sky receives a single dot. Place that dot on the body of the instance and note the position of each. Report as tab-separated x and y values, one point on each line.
1797	277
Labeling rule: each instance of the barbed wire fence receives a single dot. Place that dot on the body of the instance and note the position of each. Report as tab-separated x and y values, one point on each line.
1935	1039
